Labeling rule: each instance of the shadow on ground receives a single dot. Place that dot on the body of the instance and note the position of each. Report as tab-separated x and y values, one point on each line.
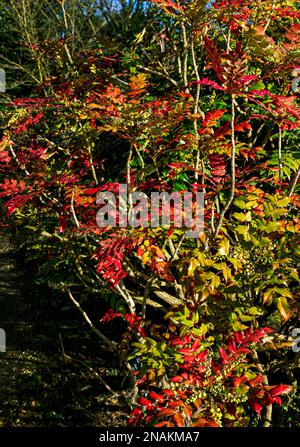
46	379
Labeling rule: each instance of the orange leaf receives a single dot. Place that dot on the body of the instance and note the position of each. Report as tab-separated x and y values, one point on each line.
179	420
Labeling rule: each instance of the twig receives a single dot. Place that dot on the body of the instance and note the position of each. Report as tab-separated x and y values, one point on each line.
72	359
196	110
232	188
270	16
170	299
135	389
128	165
212	220
17	160
158	73
185	57
15	66
294	183
280	152
171	246
96	331
121	288
228	41
141	159
175	255
146	294
66	31
73	211
257	133
268	419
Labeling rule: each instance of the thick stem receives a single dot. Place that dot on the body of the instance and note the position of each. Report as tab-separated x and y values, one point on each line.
185	57
280	152
196	111
232	187
73	211
127	297
269	408
270	16
96	331
294	183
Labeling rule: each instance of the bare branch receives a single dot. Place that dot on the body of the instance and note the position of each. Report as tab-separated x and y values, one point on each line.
185	57
73	210
280	152
232	187
268	419
158	73
96	331
270	16
121	288
294	183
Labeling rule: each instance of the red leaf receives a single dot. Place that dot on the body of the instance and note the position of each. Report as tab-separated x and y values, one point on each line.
256	407
258	379
241	127
91	190
159	397
145	402
211	118
168	392
247	79
166	4
201	422
237	381
176	403
208	82
179	420
280	389
185	351
166	412
223	355
176	379
163	424
136	412
188	411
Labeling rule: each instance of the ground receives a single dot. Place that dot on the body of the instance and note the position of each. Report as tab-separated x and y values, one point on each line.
44	380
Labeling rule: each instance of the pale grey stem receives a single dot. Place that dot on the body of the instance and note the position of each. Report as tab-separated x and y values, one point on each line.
269	408
280	152
73	211
294	183
89	322
270	16
233	153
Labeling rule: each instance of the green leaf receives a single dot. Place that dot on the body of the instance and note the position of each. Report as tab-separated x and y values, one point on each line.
240	203
279	212
243	230
237	326
283	307
284	292
271	226
223	247
255	311
240	216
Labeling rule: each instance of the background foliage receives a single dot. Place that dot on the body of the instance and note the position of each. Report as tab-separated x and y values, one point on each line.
165	96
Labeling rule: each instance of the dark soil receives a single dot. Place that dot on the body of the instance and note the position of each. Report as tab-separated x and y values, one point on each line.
54	372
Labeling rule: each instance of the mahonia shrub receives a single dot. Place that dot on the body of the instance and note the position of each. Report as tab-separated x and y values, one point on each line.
206	101
187	380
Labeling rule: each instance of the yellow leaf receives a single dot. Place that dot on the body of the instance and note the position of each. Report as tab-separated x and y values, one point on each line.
192	267
93	105
138	84
283	308
267	295
237	326
224	247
